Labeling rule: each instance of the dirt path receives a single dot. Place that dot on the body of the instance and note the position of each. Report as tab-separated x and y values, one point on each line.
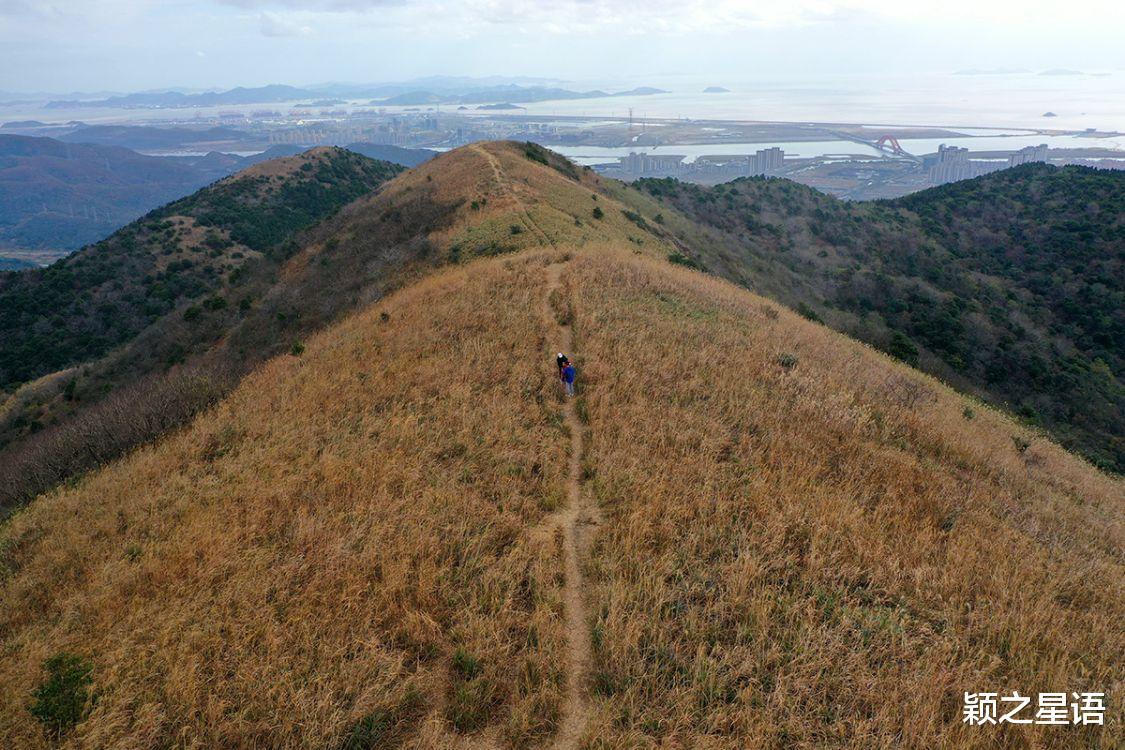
574	522
505	185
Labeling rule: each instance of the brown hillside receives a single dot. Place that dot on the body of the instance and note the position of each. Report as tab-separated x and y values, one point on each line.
480	200
803	543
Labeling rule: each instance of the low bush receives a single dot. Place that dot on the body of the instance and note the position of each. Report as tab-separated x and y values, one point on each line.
64	699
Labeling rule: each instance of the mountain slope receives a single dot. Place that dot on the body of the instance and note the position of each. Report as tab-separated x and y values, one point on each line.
808	545
1010	286
131	318
484	199
349	551
105	296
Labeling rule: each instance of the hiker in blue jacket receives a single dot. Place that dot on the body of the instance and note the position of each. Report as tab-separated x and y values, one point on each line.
568	374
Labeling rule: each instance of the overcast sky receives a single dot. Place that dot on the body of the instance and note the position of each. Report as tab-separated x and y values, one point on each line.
128	45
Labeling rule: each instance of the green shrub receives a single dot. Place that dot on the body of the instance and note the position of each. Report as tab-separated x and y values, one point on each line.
467	664
901	347
297	349
598	212
368	732
788	361
682	260
470	704
536	153
808	313
65	698
636	218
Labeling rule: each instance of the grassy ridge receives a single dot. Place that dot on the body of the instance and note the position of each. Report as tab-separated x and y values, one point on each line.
807	544
804	542
335	552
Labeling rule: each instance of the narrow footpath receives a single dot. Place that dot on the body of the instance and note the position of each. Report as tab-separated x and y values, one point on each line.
574	521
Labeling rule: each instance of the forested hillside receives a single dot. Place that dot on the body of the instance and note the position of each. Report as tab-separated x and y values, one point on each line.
1010	286
83	306
110	343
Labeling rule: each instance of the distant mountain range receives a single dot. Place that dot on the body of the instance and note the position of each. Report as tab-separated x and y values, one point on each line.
240	95
508	95
424	91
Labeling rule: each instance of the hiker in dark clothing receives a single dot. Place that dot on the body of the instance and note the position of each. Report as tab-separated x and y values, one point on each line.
568	375
562	362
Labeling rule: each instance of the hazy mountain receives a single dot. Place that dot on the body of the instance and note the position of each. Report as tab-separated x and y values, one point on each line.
407	157
62	195
240	95
422	91
506	94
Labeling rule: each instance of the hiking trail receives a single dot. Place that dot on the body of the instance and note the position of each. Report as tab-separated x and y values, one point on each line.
574	522
505	185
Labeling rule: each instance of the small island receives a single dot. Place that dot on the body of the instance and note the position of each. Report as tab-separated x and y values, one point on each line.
504	105
716	90
1049	114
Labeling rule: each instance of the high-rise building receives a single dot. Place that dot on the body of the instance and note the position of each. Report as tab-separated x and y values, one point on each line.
663	164
768	159
952	164
1028	155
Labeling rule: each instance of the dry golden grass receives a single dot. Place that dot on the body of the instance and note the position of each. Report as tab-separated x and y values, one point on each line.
320	547
803	544
497	187
824	554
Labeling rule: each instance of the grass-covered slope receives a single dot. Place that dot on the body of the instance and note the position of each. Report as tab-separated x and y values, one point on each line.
802	542
336	556
807	544
1010	286
128	338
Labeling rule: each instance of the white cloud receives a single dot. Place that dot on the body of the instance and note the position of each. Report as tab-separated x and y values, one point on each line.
695	15
271	24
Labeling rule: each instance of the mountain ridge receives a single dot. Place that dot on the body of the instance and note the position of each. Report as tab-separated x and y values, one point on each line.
345	550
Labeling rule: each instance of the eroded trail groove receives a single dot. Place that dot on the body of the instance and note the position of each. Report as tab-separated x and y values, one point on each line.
574	523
